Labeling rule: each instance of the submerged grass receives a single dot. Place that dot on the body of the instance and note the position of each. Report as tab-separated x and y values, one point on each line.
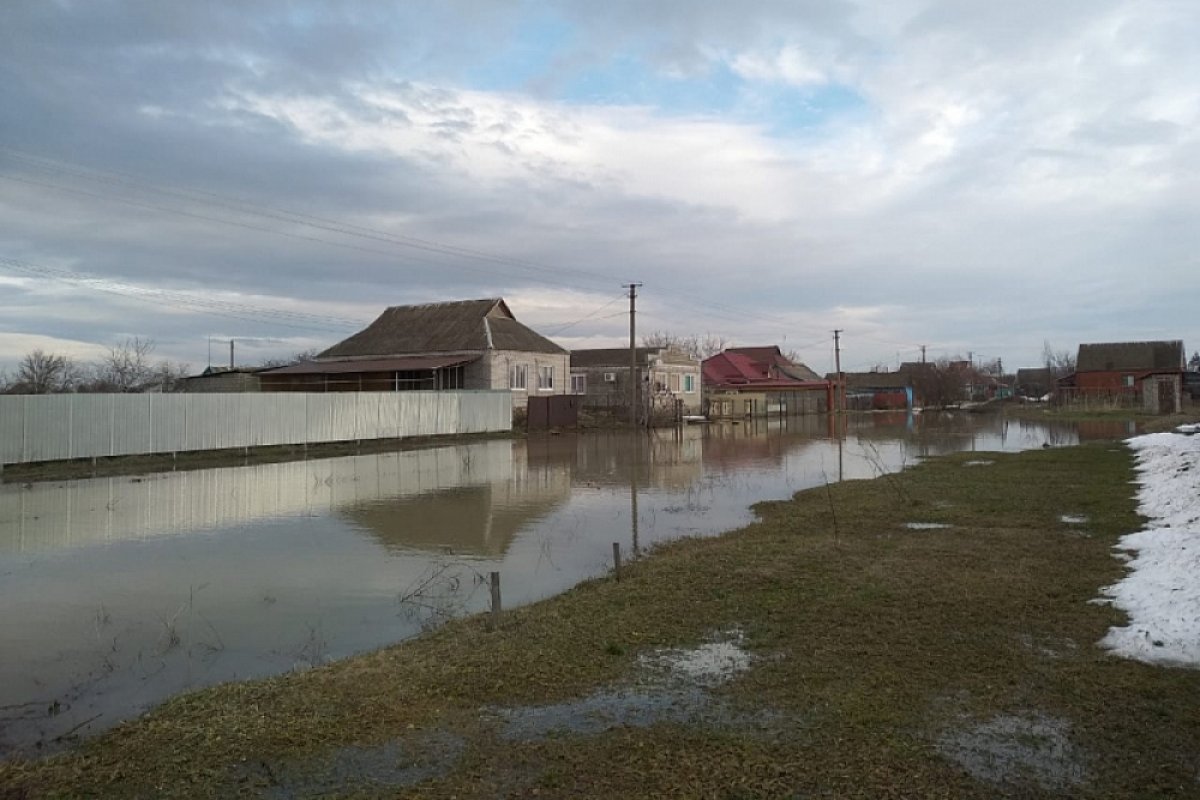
884	651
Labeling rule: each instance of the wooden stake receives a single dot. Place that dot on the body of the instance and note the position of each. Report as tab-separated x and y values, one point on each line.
495	582
617	560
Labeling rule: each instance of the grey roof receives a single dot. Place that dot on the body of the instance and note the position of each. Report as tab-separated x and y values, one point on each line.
619	356
1039	376
1115	356
453	327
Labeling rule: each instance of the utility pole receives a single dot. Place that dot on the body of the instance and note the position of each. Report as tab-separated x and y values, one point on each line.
837	365
633	370
922	354
231	353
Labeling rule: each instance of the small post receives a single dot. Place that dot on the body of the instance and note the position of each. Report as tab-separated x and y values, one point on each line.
617	560
494	578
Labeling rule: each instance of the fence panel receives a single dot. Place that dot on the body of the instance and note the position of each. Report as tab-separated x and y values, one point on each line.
57	427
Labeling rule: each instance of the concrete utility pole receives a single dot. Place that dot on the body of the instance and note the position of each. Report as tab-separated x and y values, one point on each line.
922	354
231	353
837	362
633	370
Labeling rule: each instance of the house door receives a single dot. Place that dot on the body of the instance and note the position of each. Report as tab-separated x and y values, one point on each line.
1166	396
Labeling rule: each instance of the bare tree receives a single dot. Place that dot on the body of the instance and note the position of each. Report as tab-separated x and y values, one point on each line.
698	347
167	376
125	368
303	356
942	382
1060	362
45	373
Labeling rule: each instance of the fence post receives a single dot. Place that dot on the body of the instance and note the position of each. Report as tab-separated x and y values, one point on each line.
494	579
617	561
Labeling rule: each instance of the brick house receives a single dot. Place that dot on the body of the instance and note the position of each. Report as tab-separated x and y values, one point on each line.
1149	372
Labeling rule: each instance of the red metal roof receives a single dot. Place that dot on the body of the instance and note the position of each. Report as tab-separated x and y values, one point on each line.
402	364
732	369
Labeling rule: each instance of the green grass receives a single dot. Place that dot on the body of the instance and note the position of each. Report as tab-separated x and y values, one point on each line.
874	642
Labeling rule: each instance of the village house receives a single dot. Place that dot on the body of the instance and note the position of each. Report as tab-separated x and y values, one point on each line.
877	391
761	381
1149	374
668	376
464	344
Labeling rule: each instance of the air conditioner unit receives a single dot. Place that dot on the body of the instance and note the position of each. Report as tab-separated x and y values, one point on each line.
610	377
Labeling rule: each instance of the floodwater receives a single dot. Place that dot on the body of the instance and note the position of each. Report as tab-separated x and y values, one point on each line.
120	592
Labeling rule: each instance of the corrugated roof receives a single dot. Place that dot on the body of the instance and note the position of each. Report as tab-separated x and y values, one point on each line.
400	364
452	327
1131	356
875	380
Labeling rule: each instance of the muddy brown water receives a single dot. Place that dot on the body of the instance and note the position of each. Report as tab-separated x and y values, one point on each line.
118	593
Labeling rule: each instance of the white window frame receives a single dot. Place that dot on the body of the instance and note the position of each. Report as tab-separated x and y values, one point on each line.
689	383
545	377
518	377
579	384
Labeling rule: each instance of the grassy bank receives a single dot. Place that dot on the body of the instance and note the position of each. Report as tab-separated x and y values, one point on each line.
1150	423
949	662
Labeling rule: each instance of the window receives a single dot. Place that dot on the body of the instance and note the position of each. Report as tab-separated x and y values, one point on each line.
545	378
518	376
674	381
579	384
610	377
1128	380
689	383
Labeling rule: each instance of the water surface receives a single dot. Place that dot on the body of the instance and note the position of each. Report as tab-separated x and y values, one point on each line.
120	592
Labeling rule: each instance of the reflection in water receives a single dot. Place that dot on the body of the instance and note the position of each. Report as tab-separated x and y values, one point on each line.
120	592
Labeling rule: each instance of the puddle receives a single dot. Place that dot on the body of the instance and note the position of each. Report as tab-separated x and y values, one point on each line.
673	686
390	765
1017	750
926	526
983	462
1073	519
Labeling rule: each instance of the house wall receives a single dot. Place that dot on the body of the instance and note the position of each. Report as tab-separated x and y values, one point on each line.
614	395
735	404
1106	381
493	371
222	382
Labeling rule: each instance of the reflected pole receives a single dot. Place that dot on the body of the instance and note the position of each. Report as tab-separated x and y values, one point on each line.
633	489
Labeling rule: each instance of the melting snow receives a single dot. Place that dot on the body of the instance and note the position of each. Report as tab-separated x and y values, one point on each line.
925	526
983	462
709	664
1161	593
1073	519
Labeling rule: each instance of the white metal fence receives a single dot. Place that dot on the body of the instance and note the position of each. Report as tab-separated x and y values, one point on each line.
55	427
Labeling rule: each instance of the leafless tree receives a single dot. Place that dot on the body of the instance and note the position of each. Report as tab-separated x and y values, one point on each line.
168	376
301	357
45	373
125	368
942	382
698	347
1059	362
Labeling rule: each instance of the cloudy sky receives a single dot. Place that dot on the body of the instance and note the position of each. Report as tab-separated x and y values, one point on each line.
971	176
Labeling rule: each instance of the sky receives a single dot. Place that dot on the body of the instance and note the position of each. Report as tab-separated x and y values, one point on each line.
972	177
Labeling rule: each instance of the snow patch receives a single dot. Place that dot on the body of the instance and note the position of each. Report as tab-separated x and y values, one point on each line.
926	526
1073	519
983	462
1161	593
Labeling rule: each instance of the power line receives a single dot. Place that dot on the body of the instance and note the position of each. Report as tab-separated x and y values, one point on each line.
58	167
247	312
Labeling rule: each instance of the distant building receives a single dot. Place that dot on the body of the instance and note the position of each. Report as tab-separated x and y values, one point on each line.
465	344
1149	374
667	375
224	379
761	381
1035	383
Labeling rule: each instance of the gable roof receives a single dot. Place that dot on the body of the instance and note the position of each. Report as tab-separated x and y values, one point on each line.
452	327
738	367
1131	356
